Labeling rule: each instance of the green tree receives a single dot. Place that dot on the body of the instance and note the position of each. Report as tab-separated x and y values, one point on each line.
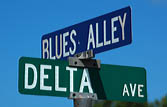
156	103
107	103
130	104
164	101
151	104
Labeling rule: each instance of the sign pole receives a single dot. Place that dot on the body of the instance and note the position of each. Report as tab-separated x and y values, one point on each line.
83	102
83	59
83	99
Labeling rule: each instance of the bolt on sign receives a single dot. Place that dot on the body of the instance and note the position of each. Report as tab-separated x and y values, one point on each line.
99	34
56	78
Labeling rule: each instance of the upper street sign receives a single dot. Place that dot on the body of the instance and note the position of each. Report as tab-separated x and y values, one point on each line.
102	33
56	78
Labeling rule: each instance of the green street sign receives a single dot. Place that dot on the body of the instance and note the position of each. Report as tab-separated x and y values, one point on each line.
56	78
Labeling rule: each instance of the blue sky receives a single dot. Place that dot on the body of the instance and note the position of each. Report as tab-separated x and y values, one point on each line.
23	22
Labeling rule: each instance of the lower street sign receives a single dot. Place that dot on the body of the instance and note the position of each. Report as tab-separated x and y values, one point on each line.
56	78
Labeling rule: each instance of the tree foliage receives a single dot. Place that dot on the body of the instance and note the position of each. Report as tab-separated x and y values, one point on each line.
156	103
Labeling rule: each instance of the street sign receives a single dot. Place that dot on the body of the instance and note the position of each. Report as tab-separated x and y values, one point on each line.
102	33
56	78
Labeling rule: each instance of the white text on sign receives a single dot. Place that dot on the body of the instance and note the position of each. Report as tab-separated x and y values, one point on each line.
130	90
85	80
65	45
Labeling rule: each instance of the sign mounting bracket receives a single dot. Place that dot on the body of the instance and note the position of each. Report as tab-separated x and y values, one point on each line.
84	60
76	95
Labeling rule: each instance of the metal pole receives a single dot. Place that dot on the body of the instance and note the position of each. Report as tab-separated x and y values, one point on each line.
84	102
84	60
